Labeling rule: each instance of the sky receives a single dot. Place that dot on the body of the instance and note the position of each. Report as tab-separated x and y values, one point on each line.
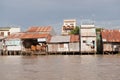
26	13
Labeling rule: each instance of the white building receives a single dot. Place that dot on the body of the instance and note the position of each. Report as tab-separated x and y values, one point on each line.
5	31
88	38
68	25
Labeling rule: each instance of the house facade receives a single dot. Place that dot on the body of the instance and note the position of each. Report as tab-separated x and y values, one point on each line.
74	45
14	43
110	41
68	25
59	44
88	38
6	31
36	38
64	44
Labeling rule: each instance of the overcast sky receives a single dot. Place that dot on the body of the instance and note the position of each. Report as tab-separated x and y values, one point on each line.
26	13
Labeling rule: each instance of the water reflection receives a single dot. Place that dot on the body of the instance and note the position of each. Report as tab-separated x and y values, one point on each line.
60	67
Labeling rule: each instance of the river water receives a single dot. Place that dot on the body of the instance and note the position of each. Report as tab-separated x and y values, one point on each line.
60	67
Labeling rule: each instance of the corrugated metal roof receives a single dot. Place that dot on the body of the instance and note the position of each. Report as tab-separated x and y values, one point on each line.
34	36
110	35
74	38
40	29
16	35
60	39
27	36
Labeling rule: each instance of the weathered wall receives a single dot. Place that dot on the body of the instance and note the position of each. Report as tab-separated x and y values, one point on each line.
63	47
87	44
74	47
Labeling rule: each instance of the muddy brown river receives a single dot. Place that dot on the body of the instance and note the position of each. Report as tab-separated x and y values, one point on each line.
60	67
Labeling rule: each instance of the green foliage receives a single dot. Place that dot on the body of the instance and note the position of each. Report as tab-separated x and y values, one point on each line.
99	40
75	31
98	29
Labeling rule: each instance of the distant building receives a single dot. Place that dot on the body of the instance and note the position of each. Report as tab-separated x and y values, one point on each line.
68	25
111	40
6	31
88	38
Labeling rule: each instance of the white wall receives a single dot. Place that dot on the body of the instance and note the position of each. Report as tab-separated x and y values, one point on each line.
13	30
86	47
14	48
87	26
89	33
88	30
13	45
5	33
69	22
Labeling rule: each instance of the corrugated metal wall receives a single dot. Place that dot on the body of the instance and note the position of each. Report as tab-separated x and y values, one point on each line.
58	47
107	47
52	47
64	47
111	47
74	47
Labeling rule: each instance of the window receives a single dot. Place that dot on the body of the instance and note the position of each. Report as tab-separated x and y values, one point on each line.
84	41
2	33
93	46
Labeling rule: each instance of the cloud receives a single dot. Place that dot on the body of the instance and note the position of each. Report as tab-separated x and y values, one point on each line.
46	12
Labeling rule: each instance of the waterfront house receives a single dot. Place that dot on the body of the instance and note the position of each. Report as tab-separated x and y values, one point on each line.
74	44
13	42
37	37
68	25
59	44
35	41
110	41
6	31
88	38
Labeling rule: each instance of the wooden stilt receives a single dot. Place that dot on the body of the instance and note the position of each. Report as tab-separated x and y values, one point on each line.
10	53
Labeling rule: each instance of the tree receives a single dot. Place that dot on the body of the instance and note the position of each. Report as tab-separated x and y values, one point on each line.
99	40
75	31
